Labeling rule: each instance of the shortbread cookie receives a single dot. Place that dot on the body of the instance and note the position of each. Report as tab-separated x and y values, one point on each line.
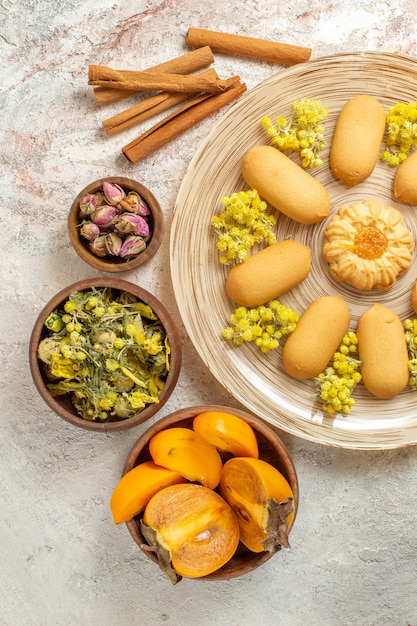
368	245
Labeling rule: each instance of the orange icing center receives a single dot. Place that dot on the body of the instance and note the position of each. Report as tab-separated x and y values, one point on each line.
370	243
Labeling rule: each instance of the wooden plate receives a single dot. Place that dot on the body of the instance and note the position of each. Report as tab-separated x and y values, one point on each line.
257	380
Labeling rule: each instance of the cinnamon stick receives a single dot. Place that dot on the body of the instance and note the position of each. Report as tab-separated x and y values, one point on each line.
100	75
282	53
105	96
181	120
147	108
143	111
185	64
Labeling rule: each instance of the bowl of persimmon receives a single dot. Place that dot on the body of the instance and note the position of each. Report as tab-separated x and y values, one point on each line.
208	492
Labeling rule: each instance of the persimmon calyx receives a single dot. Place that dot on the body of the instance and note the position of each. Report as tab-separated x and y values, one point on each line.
163	555
276	527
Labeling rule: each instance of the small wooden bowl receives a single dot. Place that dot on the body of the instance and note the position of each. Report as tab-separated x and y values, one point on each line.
271	449
112	263
62	405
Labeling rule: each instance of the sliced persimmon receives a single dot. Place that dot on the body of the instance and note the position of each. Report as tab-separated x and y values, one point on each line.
188	453
194	525
228	432
262	500
134	490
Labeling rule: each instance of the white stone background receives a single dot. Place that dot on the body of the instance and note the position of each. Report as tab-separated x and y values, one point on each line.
353	559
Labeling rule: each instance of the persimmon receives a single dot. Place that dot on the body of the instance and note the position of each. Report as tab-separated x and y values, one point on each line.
136	487
192	529
188	453
228	432
262	500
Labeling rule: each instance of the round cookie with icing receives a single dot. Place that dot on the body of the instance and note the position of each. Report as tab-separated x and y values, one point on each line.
368	245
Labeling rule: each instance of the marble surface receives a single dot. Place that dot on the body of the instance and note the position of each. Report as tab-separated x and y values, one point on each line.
353	558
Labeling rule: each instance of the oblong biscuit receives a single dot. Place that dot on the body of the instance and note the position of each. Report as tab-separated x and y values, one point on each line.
317	336
285	185
383	352
405	180
357	139
267	274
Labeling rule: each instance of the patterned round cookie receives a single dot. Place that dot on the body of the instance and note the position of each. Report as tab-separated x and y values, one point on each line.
368	245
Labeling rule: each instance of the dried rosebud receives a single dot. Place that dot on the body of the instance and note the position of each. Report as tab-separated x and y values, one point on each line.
113	193
134	224
100	198
143	208
132	245
113	243
104	216
126	223
137	204
88	204
98	246
89	230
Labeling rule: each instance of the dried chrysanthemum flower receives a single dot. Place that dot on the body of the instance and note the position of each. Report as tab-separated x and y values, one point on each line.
303	132
109	351
243	223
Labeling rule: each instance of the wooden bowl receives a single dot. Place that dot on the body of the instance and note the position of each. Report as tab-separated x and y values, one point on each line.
271	449
111	263
62	405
